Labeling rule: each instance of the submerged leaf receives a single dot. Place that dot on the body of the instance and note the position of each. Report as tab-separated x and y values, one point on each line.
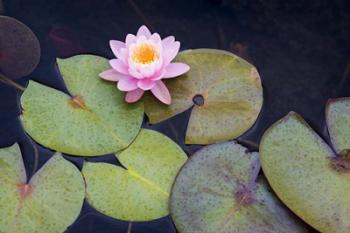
140	191
224	90
95	121
19	48
338	122
217	190
304	172
49	202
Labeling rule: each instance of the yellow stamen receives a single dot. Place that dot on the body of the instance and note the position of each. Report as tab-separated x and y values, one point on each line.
144	53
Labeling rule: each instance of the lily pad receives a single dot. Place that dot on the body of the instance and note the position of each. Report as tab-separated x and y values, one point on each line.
218	190
224	90
338	121
306	174
140	191
49	202
94	120
19	48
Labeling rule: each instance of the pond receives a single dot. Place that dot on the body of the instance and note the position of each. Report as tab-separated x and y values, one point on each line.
301	50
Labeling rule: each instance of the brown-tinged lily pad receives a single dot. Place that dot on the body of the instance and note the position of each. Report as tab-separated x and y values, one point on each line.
93	120
49	202
218	191
224	90
306	173
140	191
19	48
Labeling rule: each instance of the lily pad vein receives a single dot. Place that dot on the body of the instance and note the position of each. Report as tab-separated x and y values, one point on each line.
150	183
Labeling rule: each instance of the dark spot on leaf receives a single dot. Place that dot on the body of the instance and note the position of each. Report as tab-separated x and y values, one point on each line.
198	100
244	197
345	153
341	163
25	190
78	102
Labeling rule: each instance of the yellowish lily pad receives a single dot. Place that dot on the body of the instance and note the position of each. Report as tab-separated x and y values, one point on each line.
94	120
224	90
338	121
140	191
49	202
305	173
217	191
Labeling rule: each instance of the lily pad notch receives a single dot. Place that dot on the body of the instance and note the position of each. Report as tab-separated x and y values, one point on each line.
219	190
94	120
309	176
138	191
50	202
224	91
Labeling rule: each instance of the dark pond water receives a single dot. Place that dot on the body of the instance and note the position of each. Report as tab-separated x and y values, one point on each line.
301	49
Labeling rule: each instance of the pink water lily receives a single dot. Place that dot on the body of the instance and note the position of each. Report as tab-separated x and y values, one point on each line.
141	64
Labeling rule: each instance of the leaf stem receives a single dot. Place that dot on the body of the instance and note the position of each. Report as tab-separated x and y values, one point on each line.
11	83
36	156
129	227
248	143
139	12
345	76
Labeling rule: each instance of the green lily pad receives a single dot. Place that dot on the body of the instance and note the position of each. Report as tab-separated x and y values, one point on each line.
306	175
140	191
19	48
49	202
217	190
95	120
338	121
224	90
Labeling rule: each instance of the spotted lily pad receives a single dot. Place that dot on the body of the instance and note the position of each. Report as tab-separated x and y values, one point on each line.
217	190
305	172
94	120
224	90
49	202
19	48
140	191
338	121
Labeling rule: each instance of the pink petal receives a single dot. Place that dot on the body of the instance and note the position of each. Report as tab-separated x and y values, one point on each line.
116	46
112	75
168	41
155	38
127	84
175	69
159	75
134	73
161	92
141	38
170	52
143	31
133	96
146	84
130	39
123	55
147	70
119	66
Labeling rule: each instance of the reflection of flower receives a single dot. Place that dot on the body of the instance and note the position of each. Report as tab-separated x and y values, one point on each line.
142	62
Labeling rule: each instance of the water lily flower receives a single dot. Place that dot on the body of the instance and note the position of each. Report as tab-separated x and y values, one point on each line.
141	64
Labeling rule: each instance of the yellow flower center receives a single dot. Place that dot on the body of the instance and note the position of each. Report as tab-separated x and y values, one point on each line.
145	53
